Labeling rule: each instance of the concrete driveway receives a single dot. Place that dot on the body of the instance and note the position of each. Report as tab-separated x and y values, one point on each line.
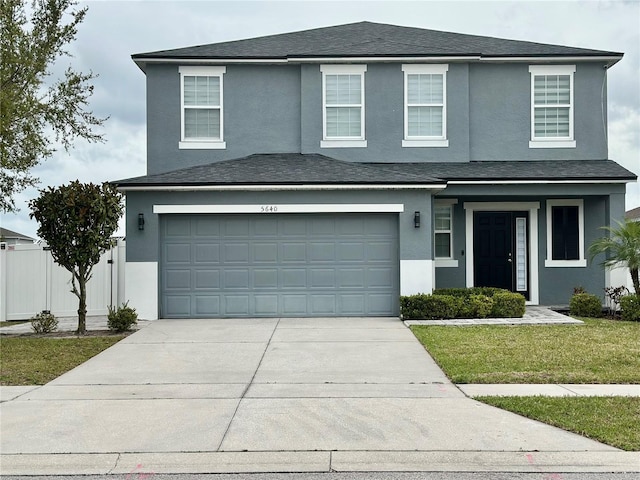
273	395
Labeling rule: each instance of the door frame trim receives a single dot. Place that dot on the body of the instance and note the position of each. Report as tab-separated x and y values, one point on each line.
532	208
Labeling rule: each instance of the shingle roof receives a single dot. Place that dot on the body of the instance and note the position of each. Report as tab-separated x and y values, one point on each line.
280	169
308	169
367	39
6	234
515	170
633	214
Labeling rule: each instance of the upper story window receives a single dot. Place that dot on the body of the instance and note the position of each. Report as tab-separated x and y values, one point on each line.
425	106
565	233
552	106
343	106
201	104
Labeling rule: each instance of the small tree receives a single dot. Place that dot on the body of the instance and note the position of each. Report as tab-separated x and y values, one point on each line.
77	221
622	247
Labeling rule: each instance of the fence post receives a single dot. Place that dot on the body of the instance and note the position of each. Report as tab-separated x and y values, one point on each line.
3	282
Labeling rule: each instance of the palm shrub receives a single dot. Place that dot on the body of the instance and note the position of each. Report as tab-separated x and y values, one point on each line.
621	247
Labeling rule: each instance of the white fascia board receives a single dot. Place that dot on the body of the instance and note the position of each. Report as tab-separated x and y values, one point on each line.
530	182
609	59
257	188
267	209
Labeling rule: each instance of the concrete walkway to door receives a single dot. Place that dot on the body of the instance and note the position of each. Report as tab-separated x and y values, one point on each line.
334	394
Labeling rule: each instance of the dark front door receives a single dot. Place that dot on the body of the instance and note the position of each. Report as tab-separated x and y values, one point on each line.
500	250
492	250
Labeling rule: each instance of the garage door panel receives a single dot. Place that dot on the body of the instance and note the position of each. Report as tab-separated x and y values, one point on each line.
322	278
322	252
236	279
350	251
265	278
207	279
279	265
178	279
178	253
265	252
236	304
353	304
207	305
205	228
294	252
207	253
294	304
266	304
323	304
177	305
178	227
351	277
294	278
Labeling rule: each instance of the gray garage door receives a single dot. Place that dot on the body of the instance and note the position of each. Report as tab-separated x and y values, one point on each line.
279	265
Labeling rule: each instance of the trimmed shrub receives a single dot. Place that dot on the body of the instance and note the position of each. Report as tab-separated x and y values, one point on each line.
430	307
585	305
121	319
44	323
466	292
630	306
480	305
507	305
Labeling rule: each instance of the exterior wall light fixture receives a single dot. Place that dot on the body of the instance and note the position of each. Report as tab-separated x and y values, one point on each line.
141	221
416	219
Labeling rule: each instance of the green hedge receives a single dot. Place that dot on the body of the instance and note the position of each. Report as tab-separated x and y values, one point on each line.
463	303
585	305
630	306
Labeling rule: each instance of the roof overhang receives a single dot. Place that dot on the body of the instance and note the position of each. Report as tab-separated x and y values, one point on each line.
275	187
609	60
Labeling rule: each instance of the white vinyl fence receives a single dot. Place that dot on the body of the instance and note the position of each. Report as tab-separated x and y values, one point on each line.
31	282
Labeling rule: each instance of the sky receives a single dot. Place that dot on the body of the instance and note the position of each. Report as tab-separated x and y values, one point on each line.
114	30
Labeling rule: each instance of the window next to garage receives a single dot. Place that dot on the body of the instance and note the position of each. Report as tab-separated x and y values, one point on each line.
425	106
201	105
443	233
565	233
343	106
552	106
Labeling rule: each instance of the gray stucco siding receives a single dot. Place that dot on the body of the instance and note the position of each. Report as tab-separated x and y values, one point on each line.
261	114
500	114
414	243
603	204
384	117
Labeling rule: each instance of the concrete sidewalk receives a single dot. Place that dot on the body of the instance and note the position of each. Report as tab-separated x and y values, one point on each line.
550	390
276	395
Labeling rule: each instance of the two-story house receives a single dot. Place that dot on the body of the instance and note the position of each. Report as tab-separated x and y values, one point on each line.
329	171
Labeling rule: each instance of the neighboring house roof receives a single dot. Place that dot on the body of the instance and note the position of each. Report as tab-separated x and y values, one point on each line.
367	39
633	214
6	234
280	169
519	170
309	169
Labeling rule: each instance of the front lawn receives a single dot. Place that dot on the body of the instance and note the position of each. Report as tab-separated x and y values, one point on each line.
612	420
36	361
600	351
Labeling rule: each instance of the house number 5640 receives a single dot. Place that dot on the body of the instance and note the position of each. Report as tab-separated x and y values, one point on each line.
268	209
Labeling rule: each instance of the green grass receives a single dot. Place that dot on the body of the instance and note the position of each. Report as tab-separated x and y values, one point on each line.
612	420
600	351
36	361
12	322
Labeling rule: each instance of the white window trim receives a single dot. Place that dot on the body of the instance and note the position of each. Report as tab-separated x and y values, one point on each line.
550	142
343	142
440	141
450	261
581	262
532	208
201	143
